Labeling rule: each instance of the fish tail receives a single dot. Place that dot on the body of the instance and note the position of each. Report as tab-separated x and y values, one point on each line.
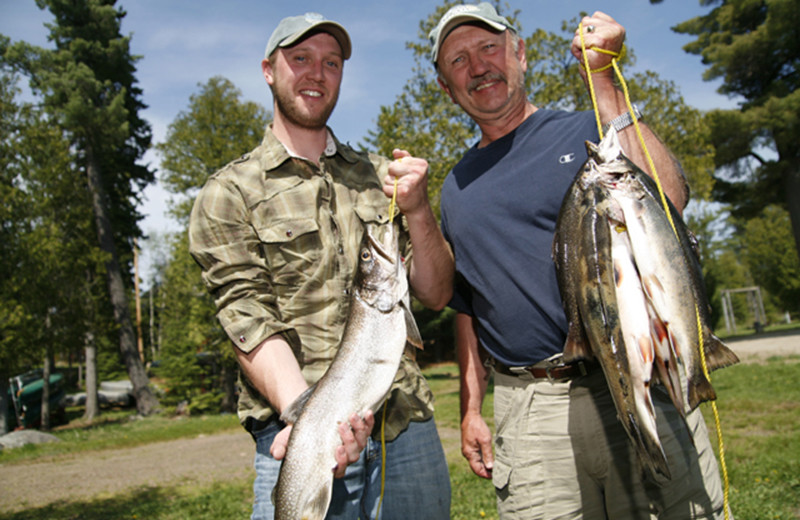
718	355
651	454
700	390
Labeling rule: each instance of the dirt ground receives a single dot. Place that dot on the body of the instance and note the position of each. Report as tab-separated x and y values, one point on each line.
206	458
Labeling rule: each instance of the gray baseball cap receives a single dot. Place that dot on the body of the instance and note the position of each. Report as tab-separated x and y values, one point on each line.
291	30
459	14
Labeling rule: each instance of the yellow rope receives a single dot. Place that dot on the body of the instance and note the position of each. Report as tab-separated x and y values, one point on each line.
383	443
392	207
589	72
393	204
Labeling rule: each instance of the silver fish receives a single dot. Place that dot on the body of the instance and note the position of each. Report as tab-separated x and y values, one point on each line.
633	293
359	378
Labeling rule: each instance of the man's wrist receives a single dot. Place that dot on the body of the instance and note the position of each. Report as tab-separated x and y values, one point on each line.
623	120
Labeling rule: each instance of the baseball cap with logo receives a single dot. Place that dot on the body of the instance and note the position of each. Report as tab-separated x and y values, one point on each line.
292	29
459	14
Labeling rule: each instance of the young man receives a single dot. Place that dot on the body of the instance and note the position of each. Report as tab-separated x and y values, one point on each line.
277	233
559	450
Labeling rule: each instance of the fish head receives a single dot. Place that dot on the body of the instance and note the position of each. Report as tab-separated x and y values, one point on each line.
607	163
381	276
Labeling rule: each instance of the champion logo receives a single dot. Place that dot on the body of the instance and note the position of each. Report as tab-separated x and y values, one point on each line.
566	159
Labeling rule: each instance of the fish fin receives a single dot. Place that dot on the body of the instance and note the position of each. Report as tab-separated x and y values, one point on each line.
412	331
718	354
317	506
700	390
666	362
293	411
577	346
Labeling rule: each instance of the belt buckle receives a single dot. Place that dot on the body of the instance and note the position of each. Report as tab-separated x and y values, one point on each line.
521	371
581	368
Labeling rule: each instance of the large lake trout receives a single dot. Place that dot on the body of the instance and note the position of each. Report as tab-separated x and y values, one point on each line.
633	293
359	378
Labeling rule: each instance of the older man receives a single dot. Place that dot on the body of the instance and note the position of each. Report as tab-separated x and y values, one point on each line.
559	450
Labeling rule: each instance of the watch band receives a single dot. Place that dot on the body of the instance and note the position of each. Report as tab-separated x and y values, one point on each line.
623	120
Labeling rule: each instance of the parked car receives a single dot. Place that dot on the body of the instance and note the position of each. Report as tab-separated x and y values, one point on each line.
25	395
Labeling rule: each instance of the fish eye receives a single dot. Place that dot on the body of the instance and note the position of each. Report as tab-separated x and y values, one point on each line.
366	255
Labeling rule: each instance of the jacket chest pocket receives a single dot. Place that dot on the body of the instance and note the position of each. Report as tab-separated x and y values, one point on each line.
291	245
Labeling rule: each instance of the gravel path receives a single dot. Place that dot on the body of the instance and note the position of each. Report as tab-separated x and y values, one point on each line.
203	459
206	458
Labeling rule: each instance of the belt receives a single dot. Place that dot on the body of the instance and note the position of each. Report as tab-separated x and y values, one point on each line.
545	370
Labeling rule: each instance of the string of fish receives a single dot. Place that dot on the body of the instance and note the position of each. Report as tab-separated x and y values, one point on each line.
614	63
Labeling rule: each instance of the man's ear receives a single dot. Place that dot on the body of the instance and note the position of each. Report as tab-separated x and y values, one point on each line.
445	88
266	70
523	59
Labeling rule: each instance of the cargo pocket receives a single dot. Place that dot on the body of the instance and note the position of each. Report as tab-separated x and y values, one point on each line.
506	402
501	472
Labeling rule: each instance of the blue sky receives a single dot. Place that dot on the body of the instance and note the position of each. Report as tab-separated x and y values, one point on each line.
186	42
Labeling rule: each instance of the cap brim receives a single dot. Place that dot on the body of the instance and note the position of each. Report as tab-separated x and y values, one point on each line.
460	20
332	28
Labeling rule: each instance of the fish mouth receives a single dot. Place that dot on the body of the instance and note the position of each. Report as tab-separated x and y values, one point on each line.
387	247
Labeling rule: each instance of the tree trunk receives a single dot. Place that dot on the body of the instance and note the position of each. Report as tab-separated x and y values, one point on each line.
92	407
44	417
146	401
5	405
139	339
152	322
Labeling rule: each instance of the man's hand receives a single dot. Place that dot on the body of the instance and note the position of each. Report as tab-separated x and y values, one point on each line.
602	32
476	445
354	439
412	181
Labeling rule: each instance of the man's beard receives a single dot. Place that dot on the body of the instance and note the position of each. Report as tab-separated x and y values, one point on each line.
290	110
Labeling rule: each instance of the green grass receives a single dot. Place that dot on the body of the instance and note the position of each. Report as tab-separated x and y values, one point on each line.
759	408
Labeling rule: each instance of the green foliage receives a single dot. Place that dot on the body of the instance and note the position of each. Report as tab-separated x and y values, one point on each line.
217	128
88	85
771	257
190	332
48	251
81	144
753	46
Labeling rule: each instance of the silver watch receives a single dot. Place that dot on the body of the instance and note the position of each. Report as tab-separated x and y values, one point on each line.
623	120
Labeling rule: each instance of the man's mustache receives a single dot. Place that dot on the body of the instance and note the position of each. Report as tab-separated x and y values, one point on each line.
486	78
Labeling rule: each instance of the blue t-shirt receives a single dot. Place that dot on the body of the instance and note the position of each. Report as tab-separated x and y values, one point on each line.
499	210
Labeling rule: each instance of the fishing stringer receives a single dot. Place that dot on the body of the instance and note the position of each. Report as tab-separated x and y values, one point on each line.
392	208
589	72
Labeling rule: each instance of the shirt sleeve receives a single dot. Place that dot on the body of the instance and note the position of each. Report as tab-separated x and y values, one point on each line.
225	245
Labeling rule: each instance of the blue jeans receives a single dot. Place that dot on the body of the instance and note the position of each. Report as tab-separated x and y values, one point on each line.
417	478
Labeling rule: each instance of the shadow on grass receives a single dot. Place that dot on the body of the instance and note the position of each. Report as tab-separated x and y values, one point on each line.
228	500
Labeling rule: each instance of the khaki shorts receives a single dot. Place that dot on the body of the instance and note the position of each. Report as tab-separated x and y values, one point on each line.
561	453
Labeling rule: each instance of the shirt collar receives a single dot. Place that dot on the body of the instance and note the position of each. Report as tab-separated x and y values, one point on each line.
276	153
